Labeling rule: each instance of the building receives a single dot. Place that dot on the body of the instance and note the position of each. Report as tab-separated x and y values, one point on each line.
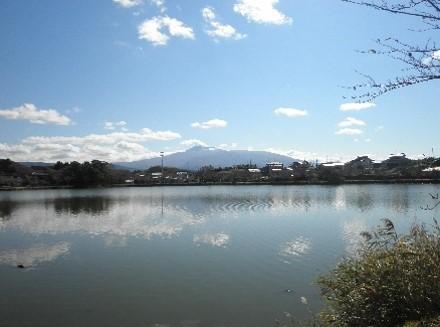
182	176
396	161
360	163
273	168
332	164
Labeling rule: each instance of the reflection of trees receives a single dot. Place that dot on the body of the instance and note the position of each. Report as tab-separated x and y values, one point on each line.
394	197
245	199
95	205
124	217
6	209
400	200
165	212
361	200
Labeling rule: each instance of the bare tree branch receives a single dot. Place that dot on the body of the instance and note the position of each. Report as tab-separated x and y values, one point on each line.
421	62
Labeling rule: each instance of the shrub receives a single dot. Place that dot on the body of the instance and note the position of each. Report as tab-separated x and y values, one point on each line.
393	281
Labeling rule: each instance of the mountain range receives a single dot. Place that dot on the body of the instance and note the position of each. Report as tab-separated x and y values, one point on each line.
200	156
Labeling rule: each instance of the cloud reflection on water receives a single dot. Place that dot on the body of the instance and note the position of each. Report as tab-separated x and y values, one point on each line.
148	212
34	255
216	240
124	220
295	248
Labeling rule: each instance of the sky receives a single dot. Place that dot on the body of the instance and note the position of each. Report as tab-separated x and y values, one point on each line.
122	80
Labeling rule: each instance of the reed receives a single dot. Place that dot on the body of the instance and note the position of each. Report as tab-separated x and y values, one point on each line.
393	281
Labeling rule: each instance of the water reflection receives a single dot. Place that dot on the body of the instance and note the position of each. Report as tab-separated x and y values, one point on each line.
217	240
34	255
339	198
351	234
161	256
96	205
113	241
296	248
124	220
165	212
362	200
400	200
190	323
6	209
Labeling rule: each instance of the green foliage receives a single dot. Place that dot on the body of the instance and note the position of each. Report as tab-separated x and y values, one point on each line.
430	322
92	173
8	166
330	175
393	281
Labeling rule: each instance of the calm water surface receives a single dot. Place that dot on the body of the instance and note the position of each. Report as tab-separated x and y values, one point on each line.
183	256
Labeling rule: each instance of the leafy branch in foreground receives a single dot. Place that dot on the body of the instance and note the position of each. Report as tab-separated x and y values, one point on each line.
421	62
394	280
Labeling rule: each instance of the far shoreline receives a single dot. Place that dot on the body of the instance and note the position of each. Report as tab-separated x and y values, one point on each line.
281	183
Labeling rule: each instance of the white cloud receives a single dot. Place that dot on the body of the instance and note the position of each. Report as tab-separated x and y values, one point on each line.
34	115
349	131
350	121
158	30
296	154
379	129
208	14
74	110
116	146
213	123
143	135
226	146
311	156
193	142
356	106
290	112
159	4
108	125
427	61
261	11
218	30
128	3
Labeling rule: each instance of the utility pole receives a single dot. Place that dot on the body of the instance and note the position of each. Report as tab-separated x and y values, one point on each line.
161	154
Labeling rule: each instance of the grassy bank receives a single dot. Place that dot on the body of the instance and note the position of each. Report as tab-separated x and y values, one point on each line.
393	281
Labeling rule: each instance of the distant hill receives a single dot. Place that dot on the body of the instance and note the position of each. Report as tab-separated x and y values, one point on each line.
199	156
118	167
36	164
47	165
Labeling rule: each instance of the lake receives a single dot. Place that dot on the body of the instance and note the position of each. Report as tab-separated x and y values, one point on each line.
184	256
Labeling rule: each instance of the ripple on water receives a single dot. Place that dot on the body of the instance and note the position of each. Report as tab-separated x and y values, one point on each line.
295	249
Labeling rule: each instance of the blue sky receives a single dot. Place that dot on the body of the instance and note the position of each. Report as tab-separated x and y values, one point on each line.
123	80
